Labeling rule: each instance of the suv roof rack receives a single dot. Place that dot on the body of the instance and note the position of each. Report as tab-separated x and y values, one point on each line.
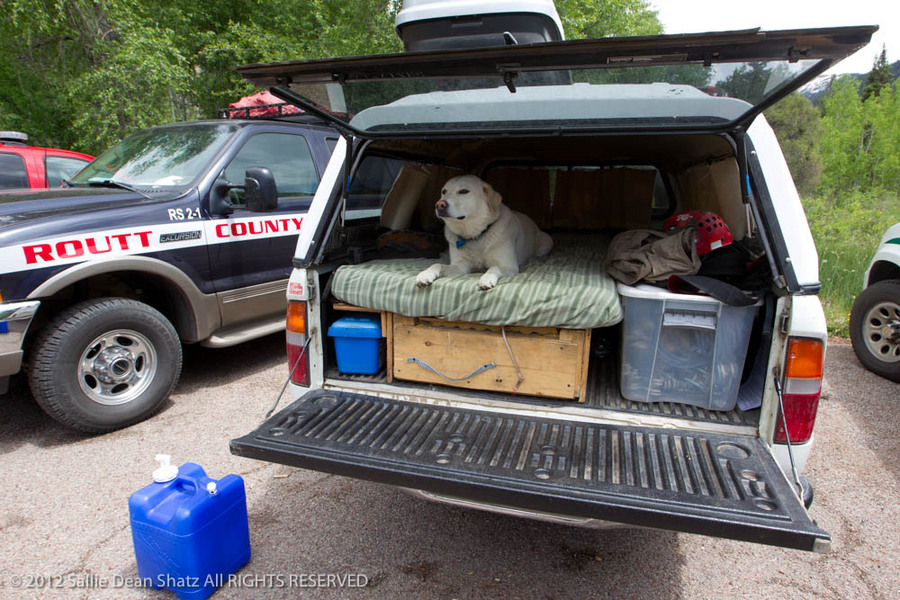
13	138
282	111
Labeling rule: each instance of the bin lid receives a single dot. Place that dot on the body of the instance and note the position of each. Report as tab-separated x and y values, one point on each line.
650	292
644	291
363	326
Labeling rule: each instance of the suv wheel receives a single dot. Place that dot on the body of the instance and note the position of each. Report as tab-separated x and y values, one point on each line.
104	364
875	328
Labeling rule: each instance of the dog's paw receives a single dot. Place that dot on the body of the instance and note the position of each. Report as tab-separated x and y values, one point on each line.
487	281
426	277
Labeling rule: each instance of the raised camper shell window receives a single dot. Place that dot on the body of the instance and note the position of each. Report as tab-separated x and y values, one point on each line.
714	81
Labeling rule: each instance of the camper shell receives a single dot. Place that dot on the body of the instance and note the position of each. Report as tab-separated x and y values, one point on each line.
562	394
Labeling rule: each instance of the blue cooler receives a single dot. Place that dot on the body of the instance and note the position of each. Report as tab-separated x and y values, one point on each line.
190	532
357	343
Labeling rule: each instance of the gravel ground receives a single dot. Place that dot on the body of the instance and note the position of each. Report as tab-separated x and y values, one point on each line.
64	516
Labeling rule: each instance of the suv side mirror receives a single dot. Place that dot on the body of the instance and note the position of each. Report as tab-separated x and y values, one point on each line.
260	191
219	203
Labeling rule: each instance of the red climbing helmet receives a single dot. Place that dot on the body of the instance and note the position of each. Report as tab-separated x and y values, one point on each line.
712	233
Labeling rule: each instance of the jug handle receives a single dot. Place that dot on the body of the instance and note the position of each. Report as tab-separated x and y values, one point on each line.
188	484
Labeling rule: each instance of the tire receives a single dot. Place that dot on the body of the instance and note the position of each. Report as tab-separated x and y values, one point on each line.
105	364
875	328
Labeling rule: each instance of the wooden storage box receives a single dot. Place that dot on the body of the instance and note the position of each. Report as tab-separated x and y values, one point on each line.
552	361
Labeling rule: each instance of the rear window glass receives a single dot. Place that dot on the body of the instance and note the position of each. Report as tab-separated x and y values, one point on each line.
287	156
12	171
585	196
371	185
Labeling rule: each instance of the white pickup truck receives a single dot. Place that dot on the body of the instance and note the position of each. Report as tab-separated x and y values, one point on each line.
875	318
562	394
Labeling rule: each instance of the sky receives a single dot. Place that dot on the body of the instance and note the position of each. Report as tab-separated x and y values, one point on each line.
692	16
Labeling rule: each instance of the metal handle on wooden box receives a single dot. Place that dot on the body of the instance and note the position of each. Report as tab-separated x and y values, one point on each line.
428	367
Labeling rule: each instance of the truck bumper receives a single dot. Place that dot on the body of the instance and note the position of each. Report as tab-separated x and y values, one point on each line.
15	319
801	455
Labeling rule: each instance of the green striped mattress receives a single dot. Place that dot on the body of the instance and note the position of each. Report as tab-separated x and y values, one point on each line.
568	288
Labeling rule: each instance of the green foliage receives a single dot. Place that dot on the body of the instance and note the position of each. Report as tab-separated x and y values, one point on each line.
82	74
44	46
879	78
142	82
846	236
585	19
860	142
857	143
604	18
859	189
798	126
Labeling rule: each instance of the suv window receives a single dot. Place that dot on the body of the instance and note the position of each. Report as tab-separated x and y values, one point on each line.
61	167
12	171
371	184
288	157
163	159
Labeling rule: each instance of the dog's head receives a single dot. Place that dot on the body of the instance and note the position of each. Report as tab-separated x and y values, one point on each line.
467	202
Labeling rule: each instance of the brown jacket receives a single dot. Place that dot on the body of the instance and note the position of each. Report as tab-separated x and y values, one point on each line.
652	255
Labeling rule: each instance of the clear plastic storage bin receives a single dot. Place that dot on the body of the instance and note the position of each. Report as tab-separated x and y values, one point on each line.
682	348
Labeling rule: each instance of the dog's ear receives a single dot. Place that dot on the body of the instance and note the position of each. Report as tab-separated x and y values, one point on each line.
493	197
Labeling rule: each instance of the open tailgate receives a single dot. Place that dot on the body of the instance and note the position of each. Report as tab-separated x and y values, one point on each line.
708	483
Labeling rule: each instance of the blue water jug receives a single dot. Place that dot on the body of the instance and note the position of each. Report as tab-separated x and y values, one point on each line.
190	532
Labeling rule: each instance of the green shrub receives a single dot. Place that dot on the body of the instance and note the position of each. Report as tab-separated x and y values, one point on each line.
847	232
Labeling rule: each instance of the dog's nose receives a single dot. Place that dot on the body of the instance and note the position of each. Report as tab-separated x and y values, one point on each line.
440	205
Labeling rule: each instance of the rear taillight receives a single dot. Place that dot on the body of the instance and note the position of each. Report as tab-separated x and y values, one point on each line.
297	343
802	386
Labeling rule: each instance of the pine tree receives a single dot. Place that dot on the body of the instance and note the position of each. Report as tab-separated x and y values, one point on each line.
879	77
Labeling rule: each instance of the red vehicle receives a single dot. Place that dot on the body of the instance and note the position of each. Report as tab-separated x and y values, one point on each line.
23	166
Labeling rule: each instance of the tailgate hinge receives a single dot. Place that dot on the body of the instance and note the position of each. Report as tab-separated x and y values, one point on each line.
785	321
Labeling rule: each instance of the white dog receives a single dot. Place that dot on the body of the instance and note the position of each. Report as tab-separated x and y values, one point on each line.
483	234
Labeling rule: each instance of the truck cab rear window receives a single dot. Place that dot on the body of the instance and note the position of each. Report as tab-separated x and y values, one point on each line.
12	171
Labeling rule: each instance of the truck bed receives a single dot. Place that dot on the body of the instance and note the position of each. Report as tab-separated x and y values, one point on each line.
602	394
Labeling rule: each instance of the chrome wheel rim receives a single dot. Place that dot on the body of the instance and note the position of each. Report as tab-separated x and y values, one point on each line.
881	331
117	367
